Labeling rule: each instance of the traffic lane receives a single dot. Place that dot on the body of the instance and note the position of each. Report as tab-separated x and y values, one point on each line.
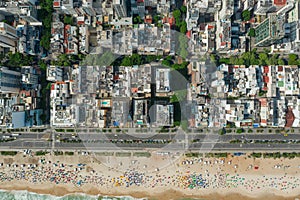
123	136
195	146
33	136
261	137
225	146
172	137
164	137
244	137
109	144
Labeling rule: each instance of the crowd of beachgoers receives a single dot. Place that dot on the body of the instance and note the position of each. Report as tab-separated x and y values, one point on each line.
187	176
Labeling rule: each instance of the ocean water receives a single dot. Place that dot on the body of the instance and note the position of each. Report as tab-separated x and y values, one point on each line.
25	195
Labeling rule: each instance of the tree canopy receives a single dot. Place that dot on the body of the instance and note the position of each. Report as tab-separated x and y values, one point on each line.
254	58
183	9
293	59
246	15
68	20
18	59
252	32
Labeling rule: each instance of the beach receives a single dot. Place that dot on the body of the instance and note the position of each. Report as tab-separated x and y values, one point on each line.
234	177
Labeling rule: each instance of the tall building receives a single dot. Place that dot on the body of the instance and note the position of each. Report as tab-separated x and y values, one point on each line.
120	8
8	38
270	31
7	44
162	115
227	9
8	31
9	80
264	6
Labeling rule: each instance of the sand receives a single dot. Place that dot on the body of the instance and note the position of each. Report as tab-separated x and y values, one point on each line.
164	183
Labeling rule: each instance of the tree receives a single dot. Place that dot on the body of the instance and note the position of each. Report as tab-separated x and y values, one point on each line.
246	15
281	62
137	20
263	59
183	9
183	53
126	61
251	32
43	65
68	20
177	14
18	59
183	27
224	61
47	21
273	60
156	18
167	63
292	59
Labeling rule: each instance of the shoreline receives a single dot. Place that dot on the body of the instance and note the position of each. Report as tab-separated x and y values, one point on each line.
62	191
231	178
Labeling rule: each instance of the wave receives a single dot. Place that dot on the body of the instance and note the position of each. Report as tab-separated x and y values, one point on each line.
26	195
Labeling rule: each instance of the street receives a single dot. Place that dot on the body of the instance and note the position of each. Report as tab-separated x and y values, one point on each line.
173	142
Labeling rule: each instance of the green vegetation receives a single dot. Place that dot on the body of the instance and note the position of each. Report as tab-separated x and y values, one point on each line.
222	131
123	154
168	62
18	59
135	59
69	153
276	155
7	140
45	14
251	32
142	154
254	58
164	130
9	153
109	58
68	19
70	130
157	20
41	153
43	65
256	155
137	20
217	155
240	130
246	15
194	154
262	93
183	9
235	141
293	59
179	19
67	60
290	155
37	130
58	153
63	60
272	155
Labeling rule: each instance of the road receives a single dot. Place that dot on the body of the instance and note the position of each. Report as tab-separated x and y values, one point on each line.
173	142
